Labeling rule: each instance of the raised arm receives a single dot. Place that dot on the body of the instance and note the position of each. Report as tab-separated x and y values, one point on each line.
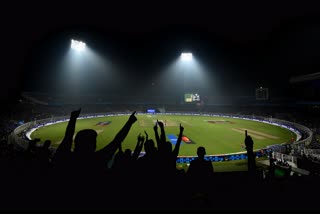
163	134
120	149
155	128
138	148
177	146
147	136
111	148
66	143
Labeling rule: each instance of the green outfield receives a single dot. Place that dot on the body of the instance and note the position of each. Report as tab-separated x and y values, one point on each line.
218	135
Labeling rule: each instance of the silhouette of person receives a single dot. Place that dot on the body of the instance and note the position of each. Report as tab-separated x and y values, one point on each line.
124	162
200	167
200	174
85	143
251	156
167	156
81	172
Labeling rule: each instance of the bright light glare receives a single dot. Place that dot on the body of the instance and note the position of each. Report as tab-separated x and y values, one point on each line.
78	45
186	56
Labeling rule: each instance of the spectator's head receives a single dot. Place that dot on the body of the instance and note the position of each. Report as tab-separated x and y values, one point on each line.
201	152
85	141
149	147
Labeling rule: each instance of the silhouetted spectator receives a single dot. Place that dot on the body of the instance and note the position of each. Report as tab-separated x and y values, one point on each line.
44	156
80	174
148	164
167	156
251	156
200	174
85	158
200	167
125	162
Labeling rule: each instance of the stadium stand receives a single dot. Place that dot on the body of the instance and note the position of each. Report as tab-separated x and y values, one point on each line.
29	168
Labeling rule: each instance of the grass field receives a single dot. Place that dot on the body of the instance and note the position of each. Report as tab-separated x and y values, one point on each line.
217	134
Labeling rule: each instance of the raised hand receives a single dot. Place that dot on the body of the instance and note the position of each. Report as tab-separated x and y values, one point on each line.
132	117
140	138
155	127
175	151
181	128
76	113
147	137
161	124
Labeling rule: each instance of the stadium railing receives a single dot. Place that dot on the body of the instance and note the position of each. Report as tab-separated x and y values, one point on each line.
312	151
292	160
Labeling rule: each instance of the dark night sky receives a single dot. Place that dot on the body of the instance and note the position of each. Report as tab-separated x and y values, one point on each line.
251	42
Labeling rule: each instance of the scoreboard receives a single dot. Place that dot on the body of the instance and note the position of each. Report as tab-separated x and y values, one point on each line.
191	97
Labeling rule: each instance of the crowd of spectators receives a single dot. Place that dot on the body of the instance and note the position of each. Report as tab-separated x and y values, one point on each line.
112	179
80	179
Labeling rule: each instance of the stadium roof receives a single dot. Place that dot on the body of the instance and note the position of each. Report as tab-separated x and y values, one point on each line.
303	78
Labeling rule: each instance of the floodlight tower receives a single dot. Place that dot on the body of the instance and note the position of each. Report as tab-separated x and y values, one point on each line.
78	45
185	58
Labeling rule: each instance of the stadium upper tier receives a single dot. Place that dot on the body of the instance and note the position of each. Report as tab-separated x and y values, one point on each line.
67	99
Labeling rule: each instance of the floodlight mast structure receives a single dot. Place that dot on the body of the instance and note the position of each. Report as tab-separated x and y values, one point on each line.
185	57
78	45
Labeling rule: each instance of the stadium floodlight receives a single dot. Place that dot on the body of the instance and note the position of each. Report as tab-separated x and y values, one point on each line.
78	45
186	56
